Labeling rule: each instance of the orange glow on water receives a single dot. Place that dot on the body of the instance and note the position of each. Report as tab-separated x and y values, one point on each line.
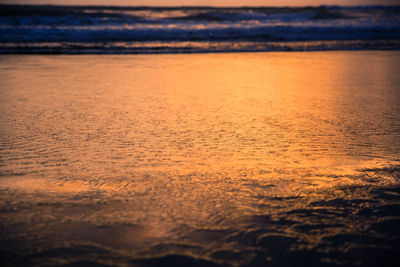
155	155
201	113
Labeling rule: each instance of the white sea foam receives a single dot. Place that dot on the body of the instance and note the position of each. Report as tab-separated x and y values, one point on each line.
24	28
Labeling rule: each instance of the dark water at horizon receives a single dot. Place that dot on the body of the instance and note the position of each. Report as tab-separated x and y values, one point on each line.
242	159
142	30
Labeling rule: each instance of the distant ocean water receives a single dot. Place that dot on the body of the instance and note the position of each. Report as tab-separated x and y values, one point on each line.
99	29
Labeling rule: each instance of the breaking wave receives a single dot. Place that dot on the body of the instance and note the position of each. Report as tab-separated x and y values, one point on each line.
61	29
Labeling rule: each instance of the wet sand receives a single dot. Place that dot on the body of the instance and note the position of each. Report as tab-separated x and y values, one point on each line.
250	159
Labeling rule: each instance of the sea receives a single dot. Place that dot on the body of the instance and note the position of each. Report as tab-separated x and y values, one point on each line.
138	30
127	140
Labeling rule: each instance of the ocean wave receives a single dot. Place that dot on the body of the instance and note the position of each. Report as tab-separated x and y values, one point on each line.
56	24
190	47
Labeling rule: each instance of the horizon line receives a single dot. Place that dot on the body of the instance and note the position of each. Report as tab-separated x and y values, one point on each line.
197	6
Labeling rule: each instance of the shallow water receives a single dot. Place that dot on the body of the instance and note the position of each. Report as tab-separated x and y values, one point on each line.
280	159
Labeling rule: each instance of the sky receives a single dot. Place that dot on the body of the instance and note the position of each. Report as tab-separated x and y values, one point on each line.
205	2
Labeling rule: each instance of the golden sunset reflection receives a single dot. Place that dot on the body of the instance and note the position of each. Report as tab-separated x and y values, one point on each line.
143	116
153	155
